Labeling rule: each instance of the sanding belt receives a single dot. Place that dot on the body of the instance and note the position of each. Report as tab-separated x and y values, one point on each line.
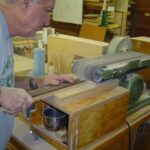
87	68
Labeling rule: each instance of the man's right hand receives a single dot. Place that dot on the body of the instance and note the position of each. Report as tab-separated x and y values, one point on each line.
14	100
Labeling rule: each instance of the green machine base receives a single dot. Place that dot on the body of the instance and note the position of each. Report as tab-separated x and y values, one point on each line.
121	66
142	102
139	96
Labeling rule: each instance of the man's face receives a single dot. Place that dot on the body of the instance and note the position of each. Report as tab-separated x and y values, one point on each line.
36	16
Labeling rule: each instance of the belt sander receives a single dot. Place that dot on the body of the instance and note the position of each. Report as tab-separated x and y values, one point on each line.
120	62
121	65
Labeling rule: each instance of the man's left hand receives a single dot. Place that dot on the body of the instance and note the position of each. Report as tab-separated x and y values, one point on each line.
53	79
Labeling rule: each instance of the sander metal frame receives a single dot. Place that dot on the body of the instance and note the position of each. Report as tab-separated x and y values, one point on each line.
119	65
107	67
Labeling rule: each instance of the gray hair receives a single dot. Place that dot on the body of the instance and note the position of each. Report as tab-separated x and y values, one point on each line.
13	1
8	1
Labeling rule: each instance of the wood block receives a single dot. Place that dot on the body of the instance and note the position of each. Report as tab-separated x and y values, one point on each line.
63	48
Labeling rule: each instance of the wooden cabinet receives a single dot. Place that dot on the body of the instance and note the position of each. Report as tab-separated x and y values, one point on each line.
92	116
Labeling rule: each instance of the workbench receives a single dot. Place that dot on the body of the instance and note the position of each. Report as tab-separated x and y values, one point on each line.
22	65
115	139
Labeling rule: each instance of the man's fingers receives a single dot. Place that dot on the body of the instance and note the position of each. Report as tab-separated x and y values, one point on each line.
54	82
55	79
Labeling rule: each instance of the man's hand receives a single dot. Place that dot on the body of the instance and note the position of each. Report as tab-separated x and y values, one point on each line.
14	100
53	79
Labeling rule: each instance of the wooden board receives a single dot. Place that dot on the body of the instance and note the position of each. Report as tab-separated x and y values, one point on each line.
142	44
93	32
51	88
22	42
76	98
63	48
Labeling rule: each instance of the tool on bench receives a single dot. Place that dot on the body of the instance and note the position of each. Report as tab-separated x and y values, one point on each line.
121	64
118	65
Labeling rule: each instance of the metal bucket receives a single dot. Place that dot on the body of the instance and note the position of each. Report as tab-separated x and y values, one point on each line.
54	119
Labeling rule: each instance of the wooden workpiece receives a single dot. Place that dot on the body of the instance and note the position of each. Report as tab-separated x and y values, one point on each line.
63	48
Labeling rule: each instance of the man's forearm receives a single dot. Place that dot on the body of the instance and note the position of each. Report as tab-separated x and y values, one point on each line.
22	82
26	82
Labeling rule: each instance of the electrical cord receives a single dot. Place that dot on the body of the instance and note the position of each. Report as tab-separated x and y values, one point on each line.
129	129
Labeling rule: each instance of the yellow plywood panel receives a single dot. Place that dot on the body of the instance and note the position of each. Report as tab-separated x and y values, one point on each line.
63	48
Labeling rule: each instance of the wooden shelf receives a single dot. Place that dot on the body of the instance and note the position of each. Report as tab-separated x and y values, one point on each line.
98	4
93	4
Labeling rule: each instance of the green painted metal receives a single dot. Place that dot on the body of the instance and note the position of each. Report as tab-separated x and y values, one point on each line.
137	97
142	102
135	84
120	71
104	21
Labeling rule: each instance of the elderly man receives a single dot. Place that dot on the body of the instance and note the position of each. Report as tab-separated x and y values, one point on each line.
19	18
